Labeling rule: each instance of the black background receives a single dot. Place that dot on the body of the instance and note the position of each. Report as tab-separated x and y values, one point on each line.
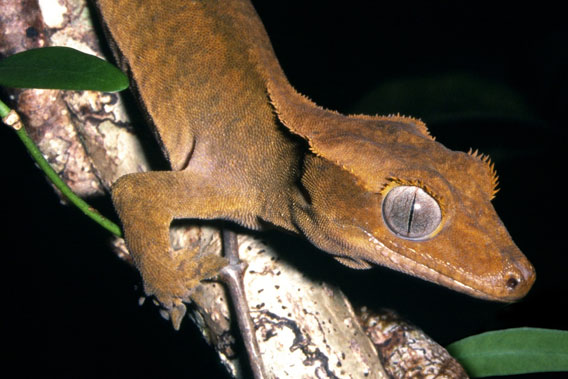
71	305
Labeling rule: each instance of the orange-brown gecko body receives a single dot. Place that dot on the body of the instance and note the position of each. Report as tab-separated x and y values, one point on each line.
244	146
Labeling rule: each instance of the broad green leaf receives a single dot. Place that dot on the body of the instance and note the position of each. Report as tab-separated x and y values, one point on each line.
512	351
60	68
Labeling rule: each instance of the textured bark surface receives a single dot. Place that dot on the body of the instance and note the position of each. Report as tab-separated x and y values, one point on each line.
406	351
305	328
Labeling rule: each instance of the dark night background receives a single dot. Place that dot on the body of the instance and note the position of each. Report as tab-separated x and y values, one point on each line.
486	77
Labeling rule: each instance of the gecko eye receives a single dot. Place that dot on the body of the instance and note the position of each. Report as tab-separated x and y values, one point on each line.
410	212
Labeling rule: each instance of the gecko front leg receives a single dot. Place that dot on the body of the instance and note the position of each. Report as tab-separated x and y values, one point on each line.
146	204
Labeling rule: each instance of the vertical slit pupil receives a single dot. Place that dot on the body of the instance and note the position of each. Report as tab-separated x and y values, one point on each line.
411	214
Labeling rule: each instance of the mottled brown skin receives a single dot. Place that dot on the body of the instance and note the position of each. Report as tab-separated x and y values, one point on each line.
244	146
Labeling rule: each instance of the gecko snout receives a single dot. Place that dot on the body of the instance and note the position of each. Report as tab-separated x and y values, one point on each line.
520	279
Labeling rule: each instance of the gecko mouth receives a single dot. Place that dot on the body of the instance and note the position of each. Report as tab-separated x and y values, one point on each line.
399	262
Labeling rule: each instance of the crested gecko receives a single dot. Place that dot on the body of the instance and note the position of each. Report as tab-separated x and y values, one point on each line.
244	146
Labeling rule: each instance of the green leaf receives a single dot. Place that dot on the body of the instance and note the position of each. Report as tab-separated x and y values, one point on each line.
512	351
60	68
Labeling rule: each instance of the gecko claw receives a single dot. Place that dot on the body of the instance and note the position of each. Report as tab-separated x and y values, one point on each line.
176	314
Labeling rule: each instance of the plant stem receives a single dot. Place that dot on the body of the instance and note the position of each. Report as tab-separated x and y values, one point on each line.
16	124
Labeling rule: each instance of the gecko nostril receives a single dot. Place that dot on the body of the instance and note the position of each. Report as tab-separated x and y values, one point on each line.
512	283
521	275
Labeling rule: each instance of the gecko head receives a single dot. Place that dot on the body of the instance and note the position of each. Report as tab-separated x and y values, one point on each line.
397	198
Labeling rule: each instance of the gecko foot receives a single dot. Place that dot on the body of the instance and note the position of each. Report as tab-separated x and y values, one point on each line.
172	281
